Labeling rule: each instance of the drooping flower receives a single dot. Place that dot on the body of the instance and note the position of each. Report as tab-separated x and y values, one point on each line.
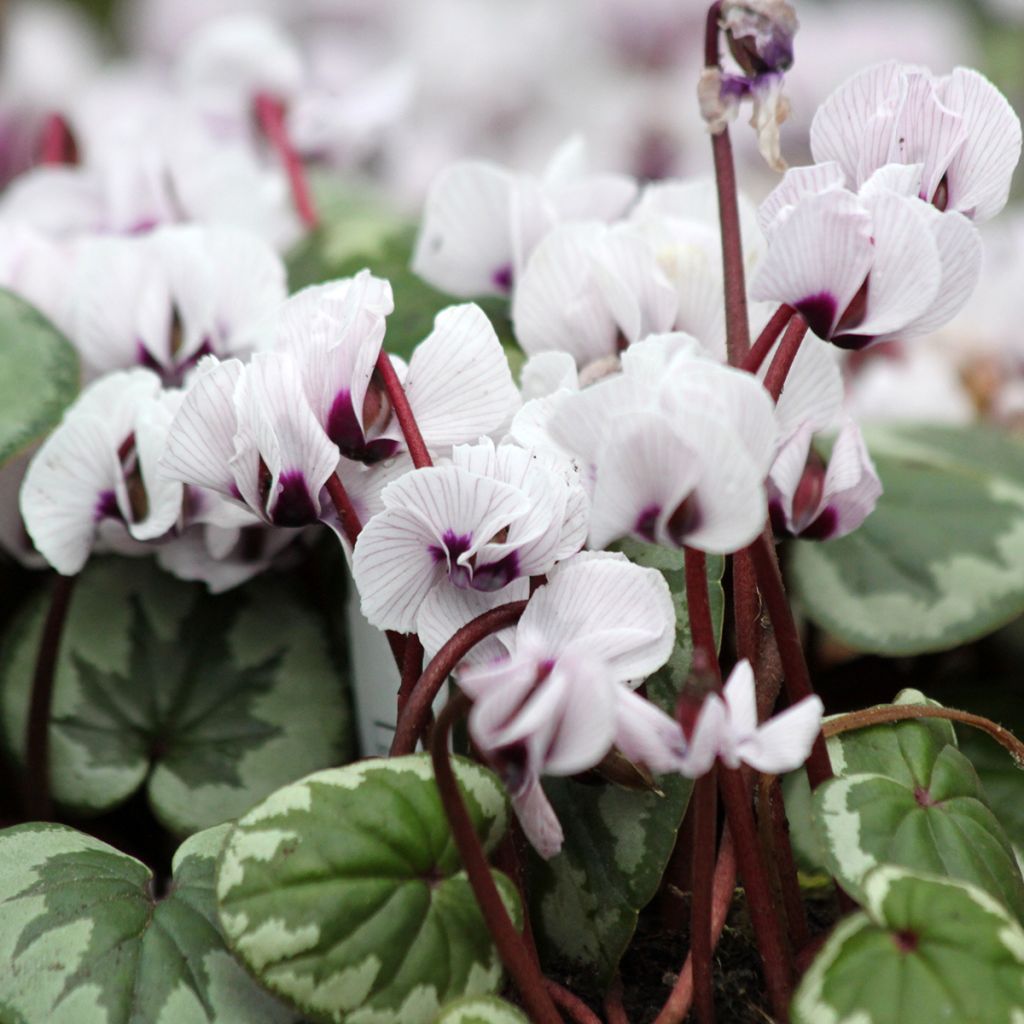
864	268
97	476
726	727
958	127
481	222
561	696
495	516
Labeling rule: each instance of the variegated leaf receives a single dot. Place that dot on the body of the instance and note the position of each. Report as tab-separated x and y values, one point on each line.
39	375
586	901
926	949
941	559
210	702
84	940
480	1010
905	795
343	893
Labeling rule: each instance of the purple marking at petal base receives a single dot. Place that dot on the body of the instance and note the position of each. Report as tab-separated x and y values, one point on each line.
106	507
343	427
497	574
823	527
853	342
647	521
820	312
502	278
452	546
294	506
777	517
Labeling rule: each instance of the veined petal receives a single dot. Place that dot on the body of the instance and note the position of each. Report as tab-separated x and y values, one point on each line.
786	474
740	699
708	738
981	171
459	384
538	819
796	183
646	735
813	392
464	246
164	496
852	488
445	610
548	372
818	258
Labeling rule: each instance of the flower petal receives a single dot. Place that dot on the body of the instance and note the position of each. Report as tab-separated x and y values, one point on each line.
784	742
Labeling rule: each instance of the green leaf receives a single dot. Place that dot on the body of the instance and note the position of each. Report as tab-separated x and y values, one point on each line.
39	375
480	1010
210	702
586	901
926	949
343	893
941	559
83	940
905	795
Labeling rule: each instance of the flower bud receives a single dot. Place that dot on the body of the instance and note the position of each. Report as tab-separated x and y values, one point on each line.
760	34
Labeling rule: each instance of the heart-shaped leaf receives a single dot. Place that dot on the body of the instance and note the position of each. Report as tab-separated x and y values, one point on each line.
83	939
343	892
905	795
586	901
210	702
480	1010
39	375
926	949
941	559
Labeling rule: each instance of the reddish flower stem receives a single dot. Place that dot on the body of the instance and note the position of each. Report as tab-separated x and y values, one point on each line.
347	513
412	669
767	338
775	378
677	1006
406	420
421	698
270	114
791	651
38	801
57	145
571	1003
772	809
614	1009
527	978
746	608
705	820
698	606
760	905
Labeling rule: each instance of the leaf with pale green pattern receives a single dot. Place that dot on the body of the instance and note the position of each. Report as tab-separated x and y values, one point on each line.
480	1010
586	901
210	702
926	949
343	892
903	794
83	940
39	375
941	559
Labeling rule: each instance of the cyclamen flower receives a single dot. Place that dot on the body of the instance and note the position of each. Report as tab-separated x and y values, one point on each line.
493	517
458	383
167	299
868	267
675	449
97	475
481	222
810	498
959	128
560	698
726	727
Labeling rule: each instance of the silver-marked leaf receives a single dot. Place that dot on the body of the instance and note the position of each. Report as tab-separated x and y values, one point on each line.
83	939
586	901
905	795
941	559
925	950
39	375
480	1010
343	892
210	702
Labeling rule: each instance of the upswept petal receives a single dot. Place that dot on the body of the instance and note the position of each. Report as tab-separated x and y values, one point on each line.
644	473
786	473
740	698
783	743
813	392
851	487
619	612
201	439
548	372
459	384
464	245
906	271
981	171
163	496
557	303
818	258
445	610
710	731
646	735
796	183
538	819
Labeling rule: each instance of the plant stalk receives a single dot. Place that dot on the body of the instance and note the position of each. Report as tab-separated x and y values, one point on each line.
270	114
705	822
778	371
767	338
528	980
403	412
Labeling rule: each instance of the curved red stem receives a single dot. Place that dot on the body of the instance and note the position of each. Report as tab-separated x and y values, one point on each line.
767	338
775	378
270	114
403	411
